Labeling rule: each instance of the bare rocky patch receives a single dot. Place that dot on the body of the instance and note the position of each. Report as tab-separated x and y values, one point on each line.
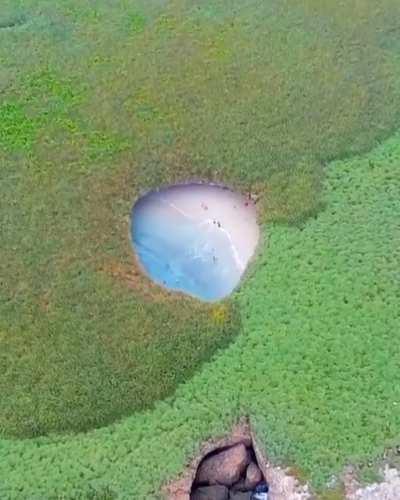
388	489
231	468
235	467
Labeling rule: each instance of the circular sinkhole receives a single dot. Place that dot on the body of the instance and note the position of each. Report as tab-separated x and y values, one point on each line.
195	238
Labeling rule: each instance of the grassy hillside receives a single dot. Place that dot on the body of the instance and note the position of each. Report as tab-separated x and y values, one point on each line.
100	103
315	367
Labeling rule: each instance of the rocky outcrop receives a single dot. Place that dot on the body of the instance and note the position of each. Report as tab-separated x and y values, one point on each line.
225	467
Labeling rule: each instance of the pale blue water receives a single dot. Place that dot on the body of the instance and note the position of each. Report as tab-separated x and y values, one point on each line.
182	254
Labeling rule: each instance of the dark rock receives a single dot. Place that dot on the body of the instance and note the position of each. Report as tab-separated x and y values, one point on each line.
240	495
216	492
240	486
253	476
225	467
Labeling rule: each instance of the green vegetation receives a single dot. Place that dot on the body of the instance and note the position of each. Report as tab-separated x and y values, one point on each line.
315	365
99	103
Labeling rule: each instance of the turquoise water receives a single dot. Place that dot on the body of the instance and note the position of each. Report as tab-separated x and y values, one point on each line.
182	240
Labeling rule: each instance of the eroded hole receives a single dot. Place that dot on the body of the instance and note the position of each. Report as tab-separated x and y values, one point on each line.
236	467
195	238
230	473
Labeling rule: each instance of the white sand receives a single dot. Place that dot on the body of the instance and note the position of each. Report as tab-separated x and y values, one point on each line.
196	238
216	207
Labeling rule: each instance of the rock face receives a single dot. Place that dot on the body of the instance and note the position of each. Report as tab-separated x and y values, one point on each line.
225	468
231	471
253	476
210	493
240	495
276	481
